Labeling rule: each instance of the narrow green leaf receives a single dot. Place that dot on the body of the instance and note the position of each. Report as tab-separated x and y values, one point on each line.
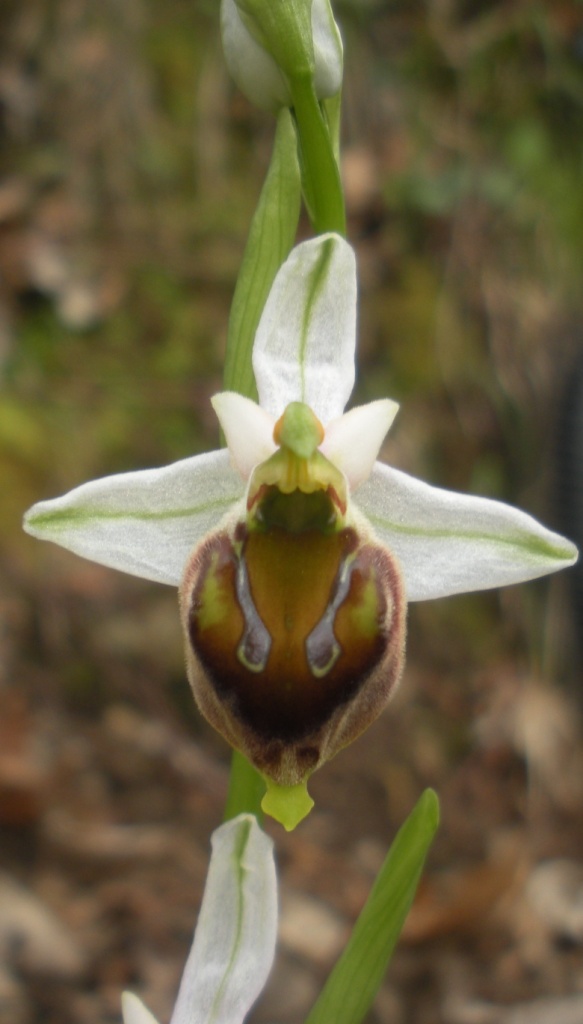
271	238
351	987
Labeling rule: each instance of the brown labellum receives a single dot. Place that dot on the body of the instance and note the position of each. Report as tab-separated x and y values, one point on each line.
294	641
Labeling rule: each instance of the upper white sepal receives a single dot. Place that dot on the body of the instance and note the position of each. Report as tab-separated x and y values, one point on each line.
305	343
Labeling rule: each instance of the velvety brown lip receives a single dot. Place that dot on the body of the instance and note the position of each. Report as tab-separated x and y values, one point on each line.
293	607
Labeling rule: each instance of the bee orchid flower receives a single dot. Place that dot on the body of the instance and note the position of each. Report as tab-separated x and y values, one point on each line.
295	550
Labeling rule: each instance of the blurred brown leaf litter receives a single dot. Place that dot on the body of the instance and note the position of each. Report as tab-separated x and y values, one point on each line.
129	171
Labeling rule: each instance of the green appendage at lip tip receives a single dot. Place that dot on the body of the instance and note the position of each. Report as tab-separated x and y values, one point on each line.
287	804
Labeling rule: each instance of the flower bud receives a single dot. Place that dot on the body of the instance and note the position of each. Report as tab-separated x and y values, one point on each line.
267	42
294	618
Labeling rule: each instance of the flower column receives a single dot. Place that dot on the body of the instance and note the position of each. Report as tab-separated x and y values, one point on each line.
286	56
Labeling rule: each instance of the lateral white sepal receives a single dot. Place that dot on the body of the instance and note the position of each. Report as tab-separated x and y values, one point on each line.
146	522
449	543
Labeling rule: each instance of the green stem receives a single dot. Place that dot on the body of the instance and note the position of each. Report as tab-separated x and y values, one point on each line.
320	175
246	789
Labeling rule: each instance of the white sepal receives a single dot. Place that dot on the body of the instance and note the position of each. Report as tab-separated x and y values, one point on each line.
328	55
250	65
248	430
450	543
234	942
352	441
146	522
305	343
134	1011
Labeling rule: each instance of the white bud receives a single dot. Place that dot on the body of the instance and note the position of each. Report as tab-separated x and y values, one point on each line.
257	73
327	50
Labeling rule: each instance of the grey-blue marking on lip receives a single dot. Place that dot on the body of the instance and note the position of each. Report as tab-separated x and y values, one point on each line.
255	645
322	647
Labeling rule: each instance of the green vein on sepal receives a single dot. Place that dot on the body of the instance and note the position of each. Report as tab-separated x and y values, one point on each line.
242	841
535	545
77	517
317	282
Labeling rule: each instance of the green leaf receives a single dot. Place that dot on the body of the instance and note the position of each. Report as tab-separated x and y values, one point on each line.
270	240
358	974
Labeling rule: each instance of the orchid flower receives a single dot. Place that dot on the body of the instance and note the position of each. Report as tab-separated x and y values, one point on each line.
234	941
294	549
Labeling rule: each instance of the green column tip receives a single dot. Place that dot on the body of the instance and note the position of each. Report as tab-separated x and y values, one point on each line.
299	429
